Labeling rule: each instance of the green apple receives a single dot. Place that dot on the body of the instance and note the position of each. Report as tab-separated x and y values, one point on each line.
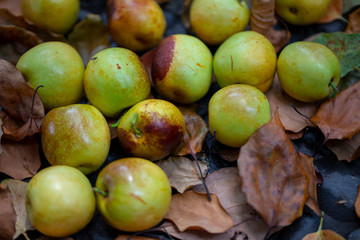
133	194
76	135
115	79
236	112
59	201
213	21
151	129
305	70
135	24
301	12
182	69
56	15
247	58
59	68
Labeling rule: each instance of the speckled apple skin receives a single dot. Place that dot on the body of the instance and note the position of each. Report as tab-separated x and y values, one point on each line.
162	126
115	79
182	69
135	24
236	112
76	135
246	58
139	194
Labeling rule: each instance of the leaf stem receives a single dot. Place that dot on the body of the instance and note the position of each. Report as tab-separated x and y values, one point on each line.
138	132
99	191
296	110
201	174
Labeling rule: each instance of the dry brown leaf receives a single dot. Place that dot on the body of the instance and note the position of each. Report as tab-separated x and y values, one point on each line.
7	214
13	6
357	203
291	120
273	178
126	237
18	191
196	131
227	153
182	172
262	20
347	150
16	100
334	12
354	22
192	210
21	159
339	117
323	235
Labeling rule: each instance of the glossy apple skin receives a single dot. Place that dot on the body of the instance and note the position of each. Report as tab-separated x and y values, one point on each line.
305	70
135	24
236	112
76	135
55	15
214	21
115	79
139	194
182	69
162	129
301	12
59	201
246	58
59	68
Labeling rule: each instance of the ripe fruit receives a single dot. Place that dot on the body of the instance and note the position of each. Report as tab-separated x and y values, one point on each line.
236	112
76	135
245	57
213	21
135	24
305	70
134	194
115	79
59	201
301	12
57	16
59	68
182	69
151	129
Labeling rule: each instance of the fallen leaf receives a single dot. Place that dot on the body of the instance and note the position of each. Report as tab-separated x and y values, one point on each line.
345	46
357	203
196	131
89	36
291	120
20	159
347	150
182	172
350	79
262	20
339	117
126	237
192	210
14	6
349	4
7	214
334	12
353	22
16	99
18	191
323	235
273	178
227	153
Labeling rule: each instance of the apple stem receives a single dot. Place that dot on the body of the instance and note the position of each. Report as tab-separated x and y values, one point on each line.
356	68
321	223
138	132
334	88
99	191
114	125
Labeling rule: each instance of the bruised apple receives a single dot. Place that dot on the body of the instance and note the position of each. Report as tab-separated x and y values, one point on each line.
76	135
133	194
59	201
151	129
236	112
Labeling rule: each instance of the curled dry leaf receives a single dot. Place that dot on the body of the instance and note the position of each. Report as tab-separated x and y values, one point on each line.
89	37
16	99
192	210
196	131
339	117
7	214
357	203
18	191
354	22
334	12
273	179
182	172
347	150
20	159
291	120
262	20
